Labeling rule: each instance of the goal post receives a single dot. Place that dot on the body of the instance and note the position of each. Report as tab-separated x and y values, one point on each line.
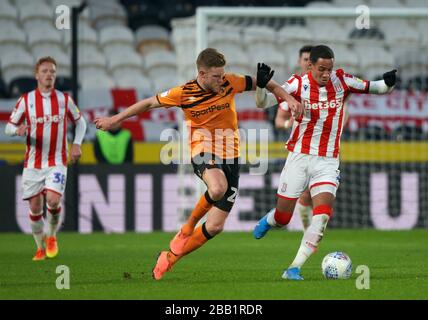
383	166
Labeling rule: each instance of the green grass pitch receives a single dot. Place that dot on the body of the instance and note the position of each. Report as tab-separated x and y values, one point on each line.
231	266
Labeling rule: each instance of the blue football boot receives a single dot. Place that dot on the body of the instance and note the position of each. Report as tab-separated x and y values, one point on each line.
292	274
262	227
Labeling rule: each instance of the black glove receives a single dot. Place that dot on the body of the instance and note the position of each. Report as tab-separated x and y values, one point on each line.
264	74
390	77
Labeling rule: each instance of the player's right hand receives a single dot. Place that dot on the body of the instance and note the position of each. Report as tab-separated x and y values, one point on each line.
22	130
295	107
75	152
264	74
105	123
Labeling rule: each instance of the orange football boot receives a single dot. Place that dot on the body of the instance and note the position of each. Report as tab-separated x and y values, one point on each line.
40	255
162	265
51	247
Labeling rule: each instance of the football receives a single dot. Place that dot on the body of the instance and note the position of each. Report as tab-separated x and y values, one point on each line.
336	265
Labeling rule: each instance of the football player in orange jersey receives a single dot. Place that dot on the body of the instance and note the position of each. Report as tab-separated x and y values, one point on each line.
209	110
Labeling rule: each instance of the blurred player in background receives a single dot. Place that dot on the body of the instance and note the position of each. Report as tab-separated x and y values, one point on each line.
284	121
41	115
313	146
114	146
208	106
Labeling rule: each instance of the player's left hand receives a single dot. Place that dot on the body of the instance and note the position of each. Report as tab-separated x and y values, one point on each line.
75	152
390	78
264	74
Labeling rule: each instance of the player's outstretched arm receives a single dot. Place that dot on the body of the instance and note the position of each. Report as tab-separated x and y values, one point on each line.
384	86
294	106
264	100
107	123
264	75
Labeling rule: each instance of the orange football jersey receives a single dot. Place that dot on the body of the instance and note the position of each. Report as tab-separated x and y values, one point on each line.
211	117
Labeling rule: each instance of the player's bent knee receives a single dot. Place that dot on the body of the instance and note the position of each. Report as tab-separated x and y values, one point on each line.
53	203
214	229
36	208
53	200
284	205
217	192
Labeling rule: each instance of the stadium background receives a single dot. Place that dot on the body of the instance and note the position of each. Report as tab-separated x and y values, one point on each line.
129	50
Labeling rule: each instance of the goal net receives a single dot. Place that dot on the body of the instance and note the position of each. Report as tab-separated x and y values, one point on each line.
384	153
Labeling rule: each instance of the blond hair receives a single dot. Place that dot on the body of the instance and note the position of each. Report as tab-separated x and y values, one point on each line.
43	60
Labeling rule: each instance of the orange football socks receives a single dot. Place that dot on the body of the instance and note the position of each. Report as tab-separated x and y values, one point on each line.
198	238
204	204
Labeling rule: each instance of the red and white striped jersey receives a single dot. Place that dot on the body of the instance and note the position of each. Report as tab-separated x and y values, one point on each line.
46	117
318	130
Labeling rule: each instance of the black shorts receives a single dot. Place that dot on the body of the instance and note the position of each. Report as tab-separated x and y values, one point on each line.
230	167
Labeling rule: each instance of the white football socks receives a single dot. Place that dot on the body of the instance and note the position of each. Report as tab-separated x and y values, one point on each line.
36	222
311	239
305	215
53	220
271	218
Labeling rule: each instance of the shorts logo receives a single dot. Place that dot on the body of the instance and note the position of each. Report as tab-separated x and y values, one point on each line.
284	187
338	177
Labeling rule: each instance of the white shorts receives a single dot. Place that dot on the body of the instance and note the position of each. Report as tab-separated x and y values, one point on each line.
36	181
320	174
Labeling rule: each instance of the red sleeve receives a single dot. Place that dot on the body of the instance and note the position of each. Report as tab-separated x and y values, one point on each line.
292	86
355	84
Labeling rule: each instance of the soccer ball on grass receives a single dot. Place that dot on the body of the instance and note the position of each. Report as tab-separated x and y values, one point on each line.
336	265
